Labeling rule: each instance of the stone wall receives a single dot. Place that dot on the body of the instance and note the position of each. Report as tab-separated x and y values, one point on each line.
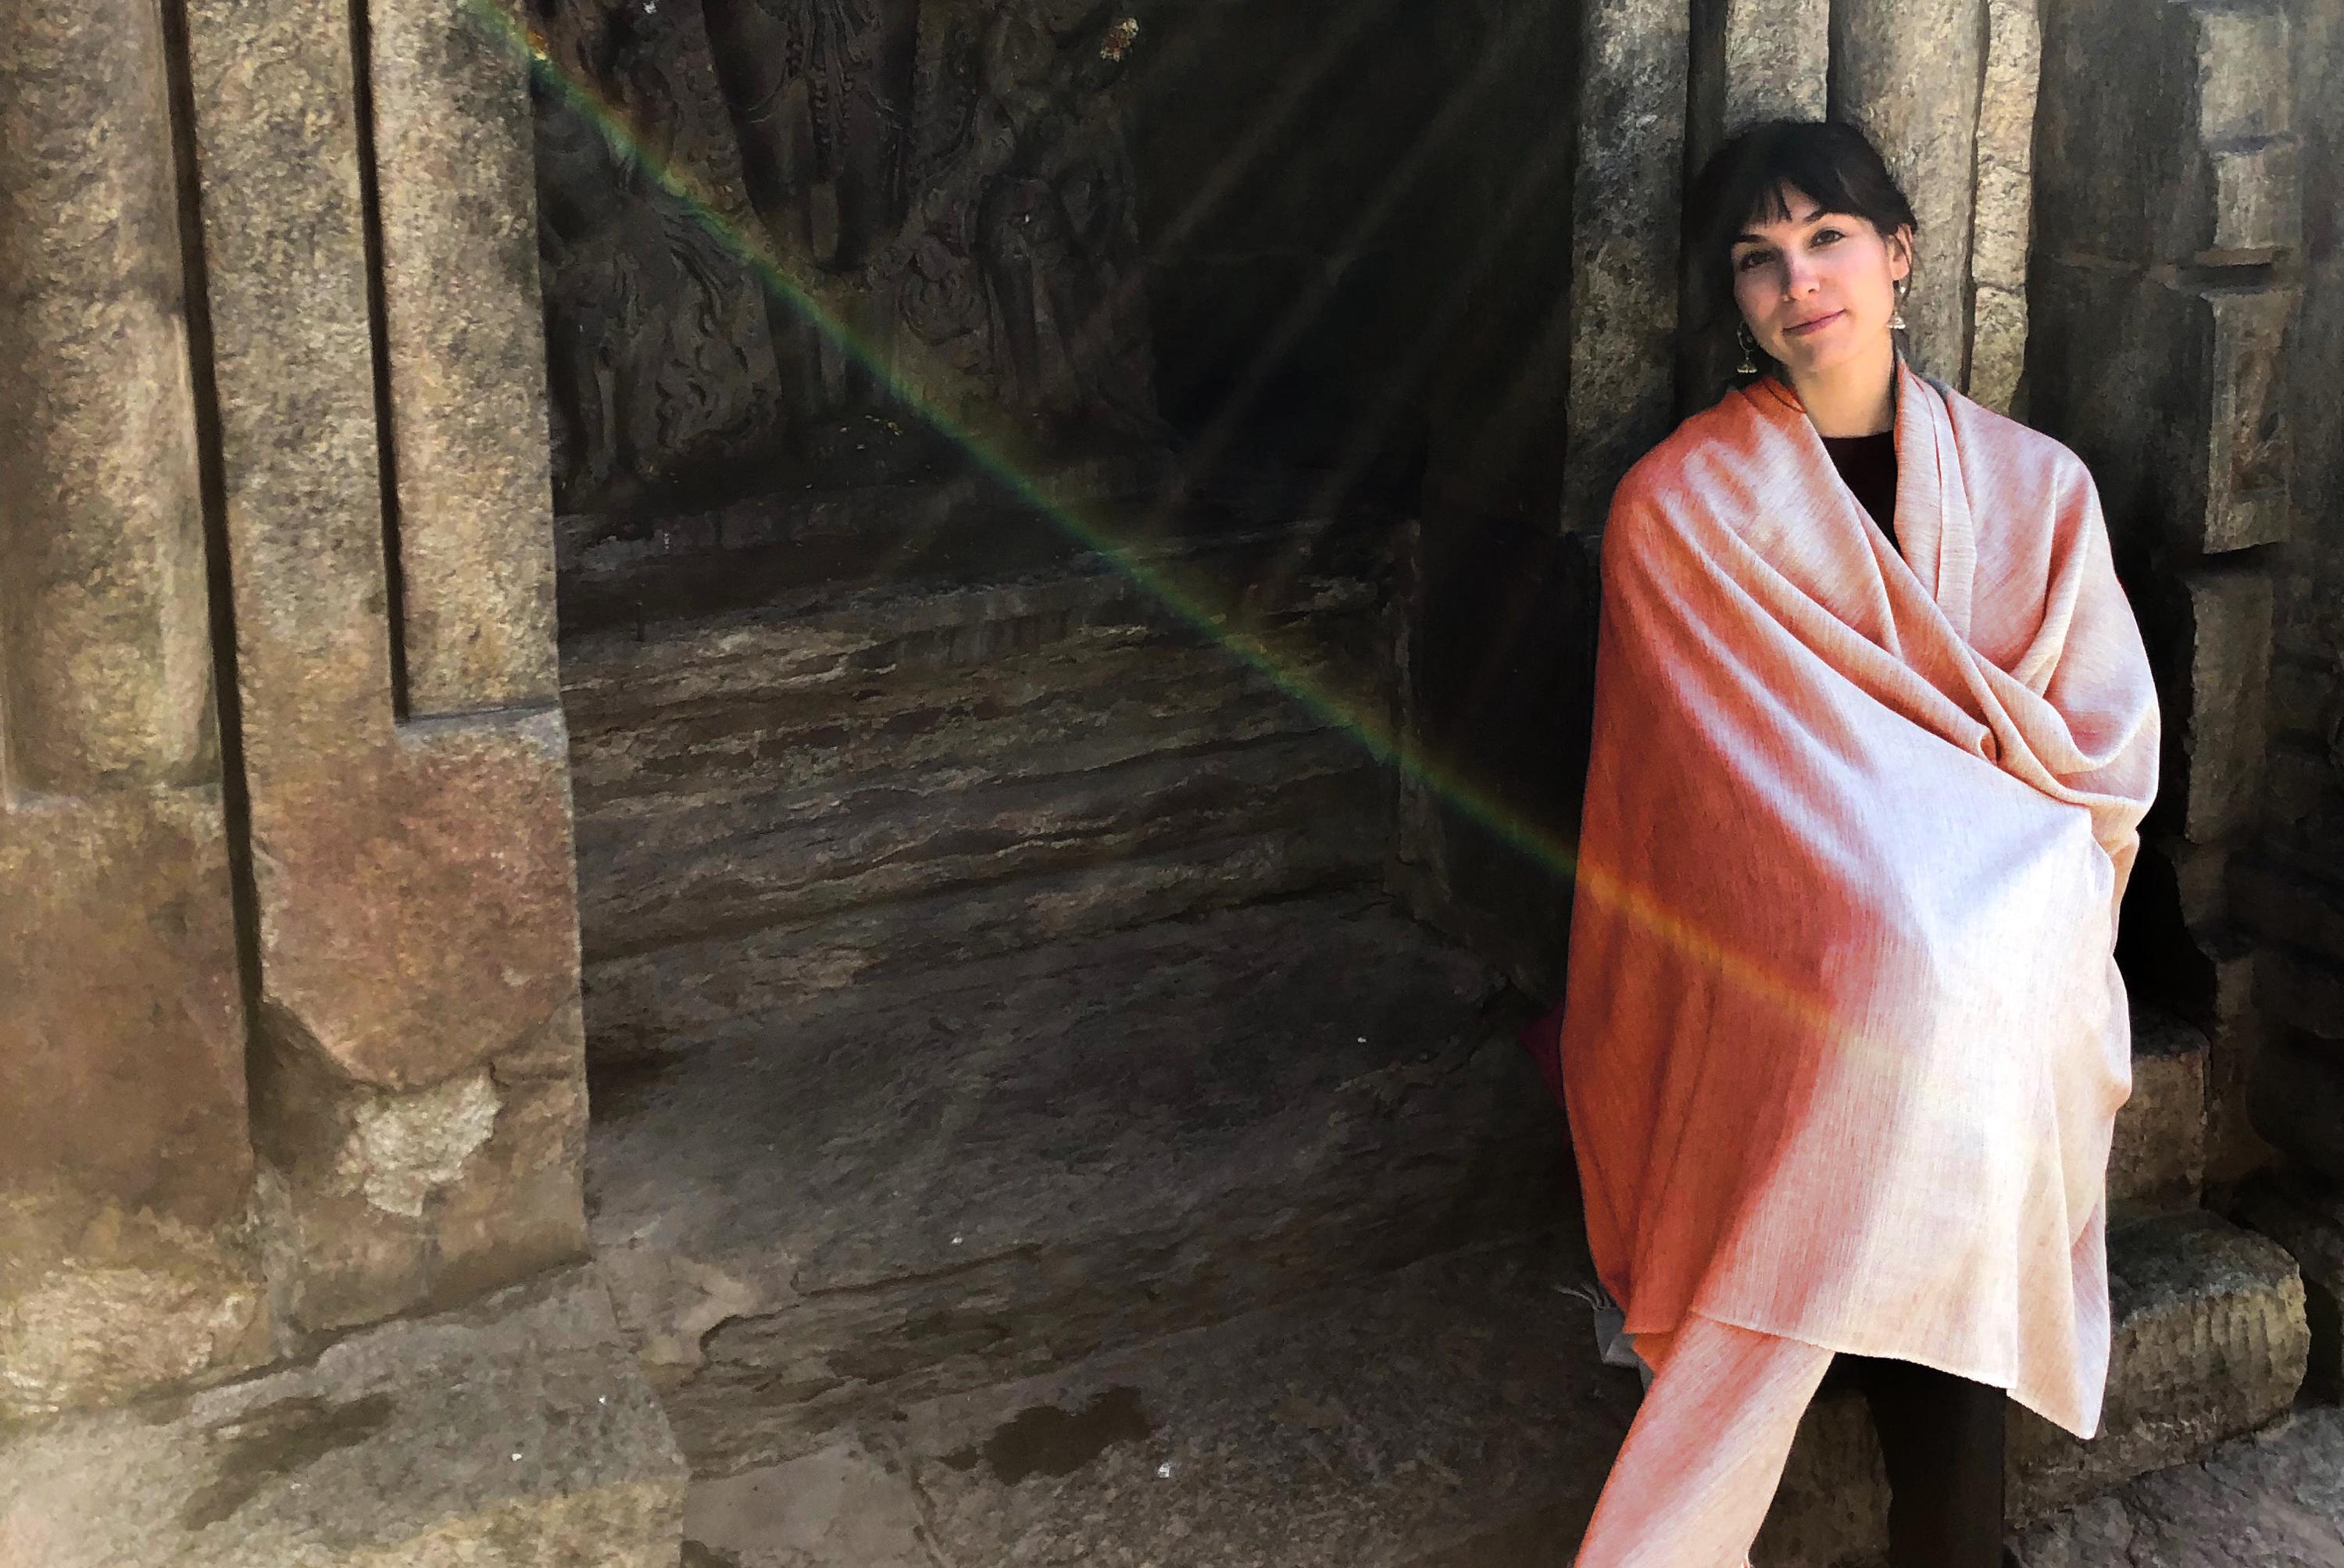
289	973
125	1162
2291	890
1498	620
2164	285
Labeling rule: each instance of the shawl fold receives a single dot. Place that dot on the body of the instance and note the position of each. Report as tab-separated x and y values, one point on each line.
1843	1041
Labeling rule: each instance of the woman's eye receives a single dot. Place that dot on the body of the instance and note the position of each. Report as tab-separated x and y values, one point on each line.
1748	258
1832	233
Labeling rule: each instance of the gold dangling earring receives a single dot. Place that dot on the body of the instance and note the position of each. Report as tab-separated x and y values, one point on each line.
1749	352
1897	321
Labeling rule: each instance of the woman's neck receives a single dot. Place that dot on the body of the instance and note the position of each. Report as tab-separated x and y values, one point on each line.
1855	397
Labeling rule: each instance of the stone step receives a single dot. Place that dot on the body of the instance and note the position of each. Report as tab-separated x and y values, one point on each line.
991	1168
1450	1414
773	802
518	1433
2157	1159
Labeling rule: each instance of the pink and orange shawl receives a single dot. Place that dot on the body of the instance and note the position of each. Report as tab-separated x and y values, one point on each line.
1844	1043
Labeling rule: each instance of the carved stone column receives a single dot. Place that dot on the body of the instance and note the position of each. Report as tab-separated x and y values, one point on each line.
124	1167
369	239
2163	287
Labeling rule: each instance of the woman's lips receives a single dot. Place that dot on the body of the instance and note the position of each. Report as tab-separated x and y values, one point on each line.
1807	327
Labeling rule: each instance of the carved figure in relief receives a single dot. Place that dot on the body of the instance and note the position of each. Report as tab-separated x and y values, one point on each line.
819	92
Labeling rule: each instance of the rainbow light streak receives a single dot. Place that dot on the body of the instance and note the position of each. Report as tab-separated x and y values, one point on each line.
1196	600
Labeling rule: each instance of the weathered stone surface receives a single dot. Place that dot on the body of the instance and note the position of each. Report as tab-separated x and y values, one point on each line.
2178	415
2214	663
2286	904
416	893
105	639
1888	61
2167	127
2273	1500
2004	202
995	1167
2302	989
515	1434
846	1504
1752	60
2157	1158
2209	1341
1454	1413
2306	1217
2297	1103
1634	65
125	1163
1749	60
465	343
774	803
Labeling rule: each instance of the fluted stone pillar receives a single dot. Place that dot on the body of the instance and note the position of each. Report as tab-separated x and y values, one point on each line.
418	1065
1907	72
126	1169
1751	60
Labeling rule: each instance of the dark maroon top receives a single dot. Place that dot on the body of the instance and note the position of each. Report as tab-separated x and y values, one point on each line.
1867	466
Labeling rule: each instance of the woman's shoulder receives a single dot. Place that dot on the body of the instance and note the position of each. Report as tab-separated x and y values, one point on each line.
1704	446
1987	436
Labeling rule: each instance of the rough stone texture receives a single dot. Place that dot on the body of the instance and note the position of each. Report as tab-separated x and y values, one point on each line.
2174	122
2287	903
518	1433
2209	1341
2157	1158
1889	59
2306	1217
105	644
1455	1413
2004	202
2274	1500
2299	1103
125	1164
415	881
2306	783
839	785
466	350
2215	664
2178	415
995	1167
1633	67
1750	60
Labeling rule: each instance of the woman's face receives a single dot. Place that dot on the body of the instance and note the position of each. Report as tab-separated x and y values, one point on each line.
1818	287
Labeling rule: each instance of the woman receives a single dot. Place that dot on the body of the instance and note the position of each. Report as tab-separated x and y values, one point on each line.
1843	1042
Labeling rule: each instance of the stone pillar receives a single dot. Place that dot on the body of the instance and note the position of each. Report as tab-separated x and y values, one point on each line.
368	230
1906	71
2163	287
1751	60
1627	192
126	1171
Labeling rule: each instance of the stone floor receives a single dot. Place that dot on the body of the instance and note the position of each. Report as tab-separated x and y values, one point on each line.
1450	1415
2272	1500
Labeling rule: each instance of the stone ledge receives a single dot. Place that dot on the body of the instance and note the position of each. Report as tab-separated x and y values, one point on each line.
2308	1220
2209	1341
2156	1161
515	1434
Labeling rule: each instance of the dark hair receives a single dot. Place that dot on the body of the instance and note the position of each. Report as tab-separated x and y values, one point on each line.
1830	161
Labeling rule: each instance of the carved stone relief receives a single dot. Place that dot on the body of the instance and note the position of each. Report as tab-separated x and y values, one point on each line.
942	187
